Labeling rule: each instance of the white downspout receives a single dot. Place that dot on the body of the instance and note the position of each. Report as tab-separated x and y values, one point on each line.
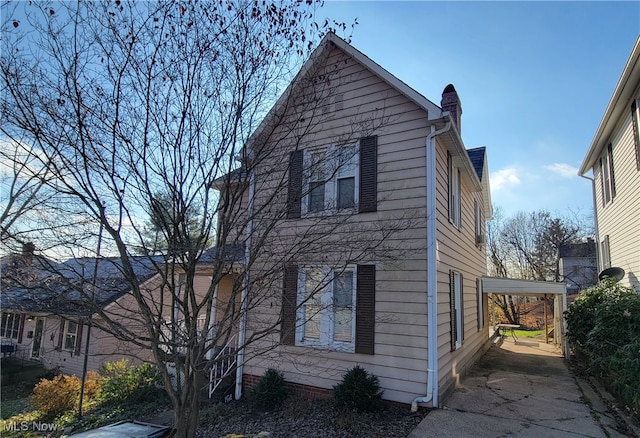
245	291
432	284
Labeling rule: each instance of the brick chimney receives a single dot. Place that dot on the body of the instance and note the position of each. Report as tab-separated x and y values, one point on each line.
27	253
451	102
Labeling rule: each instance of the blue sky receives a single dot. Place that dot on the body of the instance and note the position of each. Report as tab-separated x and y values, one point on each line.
534	79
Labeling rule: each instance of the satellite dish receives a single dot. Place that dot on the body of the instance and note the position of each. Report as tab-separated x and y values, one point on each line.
615	273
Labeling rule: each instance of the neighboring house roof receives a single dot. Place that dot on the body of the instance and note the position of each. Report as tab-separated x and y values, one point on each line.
617	106
579	250
58	290
478	158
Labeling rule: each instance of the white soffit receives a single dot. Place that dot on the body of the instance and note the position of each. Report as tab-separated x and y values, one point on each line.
512	286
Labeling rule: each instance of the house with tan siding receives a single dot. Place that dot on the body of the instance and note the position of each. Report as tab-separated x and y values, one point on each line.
378	247
613	163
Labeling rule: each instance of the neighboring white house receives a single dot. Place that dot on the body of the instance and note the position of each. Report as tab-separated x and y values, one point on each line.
613	160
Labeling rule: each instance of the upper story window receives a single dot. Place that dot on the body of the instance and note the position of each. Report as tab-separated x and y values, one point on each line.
455	207
331	180
636	131
478	222
334	179
10	328
607	176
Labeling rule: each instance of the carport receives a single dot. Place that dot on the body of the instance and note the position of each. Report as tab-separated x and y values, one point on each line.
540	289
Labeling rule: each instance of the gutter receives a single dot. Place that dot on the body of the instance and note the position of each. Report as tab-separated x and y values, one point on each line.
245	286
432	284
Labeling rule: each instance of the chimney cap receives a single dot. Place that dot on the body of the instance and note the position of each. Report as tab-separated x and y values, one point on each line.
449	89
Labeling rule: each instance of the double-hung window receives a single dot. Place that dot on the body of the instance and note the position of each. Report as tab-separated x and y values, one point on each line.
607	176
332	176
70	335
10	326
326	308
455	207
456	309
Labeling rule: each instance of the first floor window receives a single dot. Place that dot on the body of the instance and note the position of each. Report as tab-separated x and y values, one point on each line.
326	312
10	325
605	253
457	317
480	304
70	335
329	307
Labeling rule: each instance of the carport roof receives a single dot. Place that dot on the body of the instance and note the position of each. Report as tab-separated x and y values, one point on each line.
512	286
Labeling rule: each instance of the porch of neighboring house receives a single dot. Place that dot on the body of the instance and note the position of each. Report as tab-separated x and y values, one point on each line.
554	325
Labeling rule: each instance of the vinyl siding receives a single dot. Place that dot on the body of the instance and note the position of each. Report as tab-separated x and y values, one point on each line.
400	359
619	218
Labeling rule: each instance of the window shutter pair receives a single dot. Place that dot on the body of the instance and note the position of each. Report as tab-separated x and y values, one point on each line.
365	308
368	179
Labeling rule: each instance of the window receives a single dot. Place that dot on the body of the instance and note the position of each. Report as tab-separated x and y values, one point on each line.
331	179
70	335
326	312
478	223
454	193
636	131
10	326
329	308
605	253
607	178
480	303
457	317
338	178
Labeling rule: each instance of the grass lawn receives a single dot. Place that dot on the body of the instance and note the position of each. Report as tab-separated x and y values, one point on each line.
529	333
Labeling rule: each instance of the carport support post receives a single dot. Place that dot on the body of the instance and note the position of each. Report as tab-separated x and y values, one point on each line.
546	327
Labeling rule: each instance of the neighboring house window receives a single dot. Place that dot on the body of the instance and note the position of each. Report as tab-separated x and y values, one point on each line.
607	178
70	336
334	179
636	131
328	308
480	304
605	253
456	303
10	326
478	223
455	208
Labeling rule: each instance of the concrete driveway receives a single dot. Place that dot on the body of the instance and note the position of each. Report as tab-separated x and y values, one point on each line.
521	389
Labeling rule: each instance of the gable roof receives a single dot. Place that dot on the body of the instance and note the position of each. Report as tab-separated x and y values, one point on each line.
435	115
476	155
617	106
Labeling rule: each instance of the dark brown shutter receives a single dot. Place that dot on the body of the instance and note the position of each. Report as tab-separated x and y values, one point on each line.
612	177
365	309
79	339
294	195
452	310
289	304
21	329
368	174
60	334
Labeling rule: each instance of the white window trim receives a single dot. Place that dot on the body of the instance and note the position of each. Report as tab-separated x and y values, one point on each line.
9	324
331	184
606	178
478	224
67	333
326	311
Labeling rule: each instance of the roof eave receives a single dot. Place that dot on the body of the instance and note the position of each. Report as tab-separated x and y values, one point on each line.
617	105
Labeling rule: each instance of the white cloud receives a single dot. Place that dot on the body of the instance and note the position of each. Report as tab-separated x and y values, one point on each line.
562	169
504	178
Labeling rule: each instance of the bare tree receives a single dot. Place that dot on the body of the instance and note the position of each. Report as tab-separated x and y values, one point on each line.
121	101
526	246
